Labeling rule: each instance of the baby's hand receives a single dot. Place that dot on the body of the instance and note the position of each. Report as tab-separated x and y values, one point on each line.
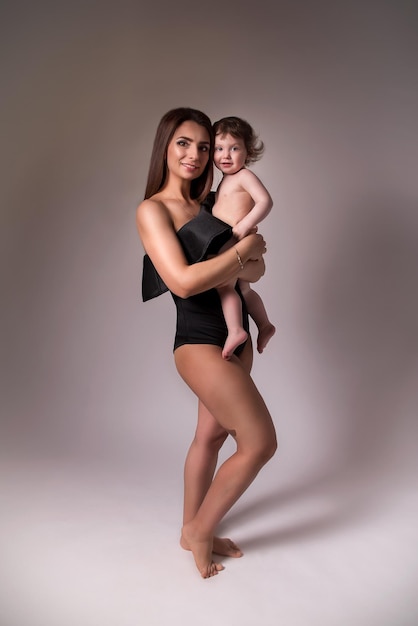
240	232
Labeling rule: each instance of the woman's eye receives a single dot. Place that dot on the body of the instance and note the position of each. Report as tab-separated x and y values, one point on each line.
181	142
204	148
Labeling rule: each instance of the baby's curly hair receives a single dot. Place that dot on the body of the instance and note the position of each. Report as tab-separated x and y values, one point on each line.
241	129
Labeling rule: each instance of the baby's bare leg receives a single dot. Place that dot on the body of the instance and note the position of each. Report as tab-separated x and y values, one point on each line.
232	310
258	312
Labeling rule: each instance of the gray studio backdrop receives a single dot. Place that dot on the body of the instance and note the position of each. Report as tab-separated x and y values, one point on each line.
87	369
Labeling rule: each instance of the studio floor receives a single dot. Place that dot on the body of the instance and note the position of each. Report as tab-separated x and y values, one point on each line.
86	545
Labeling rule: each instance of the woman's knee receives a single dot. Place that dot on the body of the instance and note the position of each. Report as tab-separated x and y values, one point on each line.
271	449
264	451
212	441
268	450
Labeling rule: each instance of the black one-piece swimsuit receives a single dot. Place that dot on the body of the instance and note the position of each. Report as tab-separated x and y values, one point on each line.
200	319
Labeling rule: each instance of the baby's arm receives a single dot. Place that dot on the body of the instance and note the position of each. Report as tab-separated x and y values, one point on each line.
262	203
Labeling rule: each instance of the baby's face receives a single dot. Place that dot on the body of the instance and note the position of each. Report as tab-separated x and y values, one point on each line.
230	153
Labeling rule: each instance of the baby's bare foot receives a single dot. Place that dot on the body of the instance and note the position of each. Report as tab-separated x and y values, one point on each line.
235	338
201	547
264	335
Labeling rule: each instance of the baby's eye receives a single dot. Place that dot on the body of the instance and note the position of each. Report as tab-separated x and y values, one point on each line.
218	148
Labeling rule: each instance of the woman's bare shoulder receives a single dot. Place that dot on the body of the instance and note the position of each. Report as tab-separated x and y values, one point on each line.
152	210
151	205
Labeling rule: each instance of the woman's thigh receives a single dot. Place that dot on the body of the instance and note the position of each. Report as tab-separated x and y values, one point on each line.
227	390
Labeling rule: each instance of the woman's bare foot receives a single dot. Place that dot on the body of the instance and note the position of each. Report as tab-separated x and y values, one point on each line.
221	545
201	548
226	547
235	338
264	335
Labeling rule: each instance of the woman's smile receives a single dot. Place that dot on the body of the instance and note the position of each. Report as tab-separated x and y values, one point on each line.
189	149
190	166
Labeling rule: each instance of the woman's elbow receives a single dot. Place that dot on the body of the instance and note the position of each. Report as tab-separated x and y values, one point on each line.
187	283
183	293
184	289
188	291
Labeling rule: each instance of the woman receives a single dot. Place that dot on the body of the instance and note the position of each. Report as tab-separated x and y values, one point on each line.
178	234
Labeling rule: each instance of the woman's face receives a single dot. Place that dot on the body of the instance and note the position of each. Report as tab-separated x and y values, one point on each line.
188	151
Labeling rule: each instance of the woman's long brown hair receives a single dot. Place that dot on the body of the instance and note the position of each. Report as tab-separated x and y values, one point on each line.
157	173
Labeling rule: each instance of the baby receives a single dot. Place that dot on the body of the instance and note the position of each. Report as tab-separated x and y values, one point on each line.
241	201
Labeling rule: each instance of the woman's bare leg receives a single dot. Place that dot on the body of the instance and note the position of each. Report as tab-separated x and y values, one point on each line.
228	392
201	461
199	469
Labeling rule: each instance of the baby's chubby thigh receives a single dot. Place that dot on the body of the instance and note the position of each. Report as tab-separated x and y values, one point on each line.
245	287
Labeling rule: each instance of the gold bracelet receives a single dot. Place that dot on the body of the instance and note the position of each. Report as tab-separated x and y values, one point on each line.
240	263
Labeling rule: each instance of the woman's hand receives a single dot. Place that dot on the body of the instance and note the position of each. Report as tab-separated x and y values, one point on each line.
252	247
253	270
251	250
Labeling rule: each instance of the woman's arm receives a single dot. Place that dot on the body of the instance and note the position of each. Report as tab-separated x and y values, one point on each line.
159	239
